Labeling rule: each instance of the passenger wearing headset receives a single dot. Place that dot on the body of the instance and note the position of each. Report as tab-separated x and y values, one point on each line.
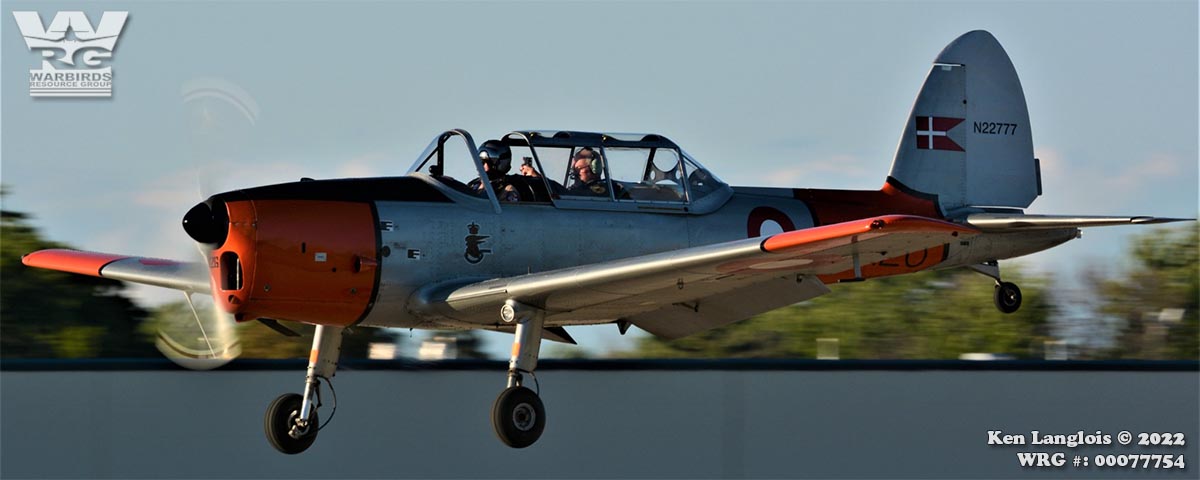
497	161
586	170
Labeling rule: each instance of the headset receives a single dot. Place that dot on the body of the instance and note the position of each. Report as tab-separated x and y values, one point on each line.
595	165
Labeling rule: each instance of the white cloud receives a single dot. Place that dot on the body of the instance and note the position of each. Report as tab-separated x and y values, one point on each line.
1075	185
366	165
1051	161
833	171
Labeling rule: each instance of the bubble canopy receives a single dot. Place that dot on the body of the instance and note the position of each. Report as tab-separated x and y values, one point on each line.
571	169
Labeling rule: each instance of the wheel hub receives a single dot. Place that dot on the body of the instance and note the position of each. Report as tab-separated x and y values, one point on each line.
297	428
524	417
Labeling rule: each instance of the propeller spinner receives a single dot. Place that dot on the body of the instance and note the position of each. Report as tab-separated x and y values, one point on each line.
202	337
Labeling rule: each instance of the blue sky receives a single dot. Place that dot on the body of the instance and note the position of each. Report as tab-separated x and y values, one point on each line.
811	94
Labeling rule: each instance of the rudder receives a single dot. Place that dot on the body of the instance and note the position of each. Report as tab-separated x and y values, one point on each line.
968	137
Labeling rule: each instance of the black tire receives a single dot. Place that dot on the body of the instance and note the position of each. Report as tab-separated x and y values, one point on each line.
518	417
1007	297
278	423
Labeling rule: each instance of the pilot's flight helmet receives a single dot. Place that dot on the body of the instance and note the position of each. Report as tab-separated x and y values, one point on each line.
498	156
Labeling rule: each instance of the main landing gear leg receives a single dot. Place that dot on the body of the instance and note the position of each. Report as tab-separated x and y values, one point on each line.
518	414
291	422
1007	296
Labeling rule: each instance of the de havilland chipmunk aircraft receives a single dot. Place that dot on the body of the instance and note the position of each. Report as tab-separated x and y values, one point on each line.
602	228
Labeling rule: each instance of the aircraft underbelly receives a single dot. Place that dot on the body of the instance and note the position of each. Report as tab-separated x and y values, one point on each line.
1003	245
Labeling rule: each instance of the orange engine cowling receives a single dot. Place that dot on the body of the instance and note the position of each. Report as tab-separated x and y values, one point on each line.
311	261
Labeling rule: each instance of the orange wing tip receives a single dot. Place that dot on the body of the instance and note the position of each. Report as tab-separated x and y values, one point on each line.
72	261
887	224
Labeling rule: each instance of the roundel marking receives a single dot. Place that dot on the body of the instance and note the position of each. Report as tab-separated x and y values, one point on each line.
765	218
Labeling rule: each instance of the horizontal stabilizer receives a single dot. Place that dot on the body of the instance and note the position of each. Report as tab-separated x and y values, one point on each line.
1004	221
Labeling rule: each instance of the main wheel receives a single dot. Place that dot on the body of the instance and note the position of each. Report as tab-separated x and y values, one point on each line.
518	417
281	417
1008	297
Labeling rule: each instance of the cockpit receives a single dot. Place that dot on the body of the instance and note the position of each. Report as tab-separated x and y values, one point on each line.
579	170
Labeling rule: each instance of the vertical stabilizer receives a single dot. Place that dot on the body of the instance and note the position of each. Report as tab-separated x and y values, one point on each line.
968	139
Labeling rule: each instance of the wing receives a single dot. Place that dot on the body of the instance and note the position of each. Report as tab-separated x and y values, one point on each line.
676	293
189	277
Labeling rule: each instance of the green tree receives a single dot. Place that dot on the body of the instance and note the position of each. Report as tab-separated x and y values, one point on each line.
930	315
49	314
1157	302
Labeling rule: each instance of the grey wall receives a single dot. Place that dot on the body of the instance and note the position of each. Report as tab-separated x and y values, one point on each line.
923	423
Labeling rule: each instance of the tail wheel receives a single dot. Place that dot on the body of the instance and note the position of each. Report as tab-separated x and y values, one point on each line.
281	425
519	417
1008	297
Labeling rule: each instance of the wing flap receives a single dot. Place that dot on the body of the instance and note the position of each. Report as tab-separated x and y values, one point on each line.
679	320
554	334
190	277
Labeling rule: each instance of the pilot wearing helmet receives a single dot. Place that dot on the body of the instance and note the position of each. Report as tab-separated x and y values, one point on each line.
497	161
586	171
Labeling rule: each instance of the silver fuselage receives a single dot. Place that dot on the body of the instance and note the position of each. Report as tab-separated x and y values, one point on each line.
428	242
